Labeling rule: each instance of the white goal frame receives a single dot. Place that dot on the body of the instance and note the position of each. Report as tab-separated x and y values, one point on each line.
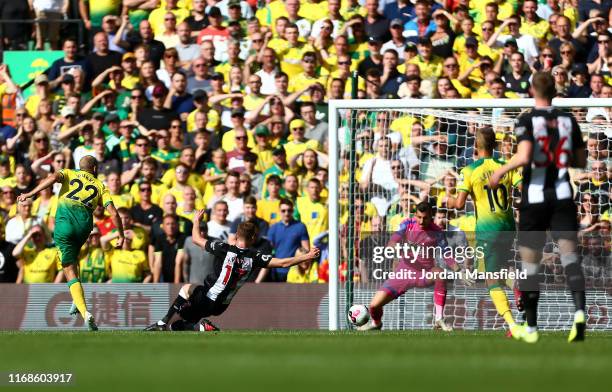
397	104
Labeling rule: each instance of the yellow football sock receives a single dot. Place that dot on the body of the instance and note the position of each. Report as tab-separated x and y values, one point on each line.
76	290
498	295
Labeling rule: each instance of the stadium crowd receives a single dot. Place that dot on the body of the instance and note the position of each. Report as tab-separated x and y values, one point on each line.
221	105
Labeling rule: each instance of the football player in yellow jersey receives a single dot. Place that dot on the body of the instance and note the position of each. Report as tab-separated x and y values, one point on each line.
494	216
37	264
79	195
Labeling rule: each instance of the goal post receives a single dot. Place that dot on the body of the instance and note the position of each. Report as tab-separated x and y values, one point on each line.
349	120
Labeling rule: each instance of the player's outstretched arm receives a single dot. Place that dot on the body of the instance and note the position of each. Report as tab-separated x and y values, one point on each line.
44	184
313	253
117	222
196	236
521	158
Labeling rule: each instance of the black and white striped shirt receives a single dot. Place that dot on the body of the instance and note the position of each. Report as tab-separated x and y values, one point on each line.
555	136
235	269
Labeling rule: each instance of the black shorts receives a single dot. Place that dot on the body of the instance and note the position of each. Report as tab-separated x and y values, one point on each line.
201	306
559	217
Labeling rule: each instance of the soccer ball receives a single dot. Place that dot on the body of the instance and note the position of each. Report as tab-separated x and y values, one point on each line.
358	315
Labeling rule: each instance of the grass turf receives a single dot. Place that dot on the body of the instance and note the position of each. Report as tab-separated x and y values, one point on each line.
308	361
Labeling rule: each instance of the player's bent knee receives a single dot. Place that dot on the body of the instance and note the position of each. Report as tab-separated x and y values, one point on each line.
186	290
70	271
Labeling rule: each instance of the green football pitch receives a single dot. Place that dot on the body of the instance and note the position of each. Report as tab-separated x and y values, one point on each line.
307	361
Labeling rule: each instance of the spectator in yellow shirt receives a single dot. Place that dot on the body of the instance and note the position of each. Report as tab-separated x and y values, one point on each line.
268	207
156	17
312	210
305	272
263	149
128	265
118	196
429	64
532	24
188	159
309	76
299	143
138	236
42	91
469	63
291	57
191	203
181	182
254	98
467	29
37	264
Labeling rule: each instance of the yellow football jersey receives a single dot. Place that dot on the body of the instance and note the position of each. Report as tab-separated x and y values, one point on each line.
82	188
269	210
493	206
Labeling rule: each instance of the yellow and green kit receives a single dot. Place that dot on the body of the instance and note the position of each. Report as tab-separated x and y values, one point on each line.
81	192
494	216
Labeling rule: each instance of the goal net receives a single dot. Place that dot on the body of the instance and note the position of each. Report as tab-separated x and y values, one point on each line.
388	155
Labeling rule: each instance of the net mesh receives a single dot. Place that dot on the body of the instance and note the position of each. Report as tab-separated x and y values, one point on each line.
381	181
